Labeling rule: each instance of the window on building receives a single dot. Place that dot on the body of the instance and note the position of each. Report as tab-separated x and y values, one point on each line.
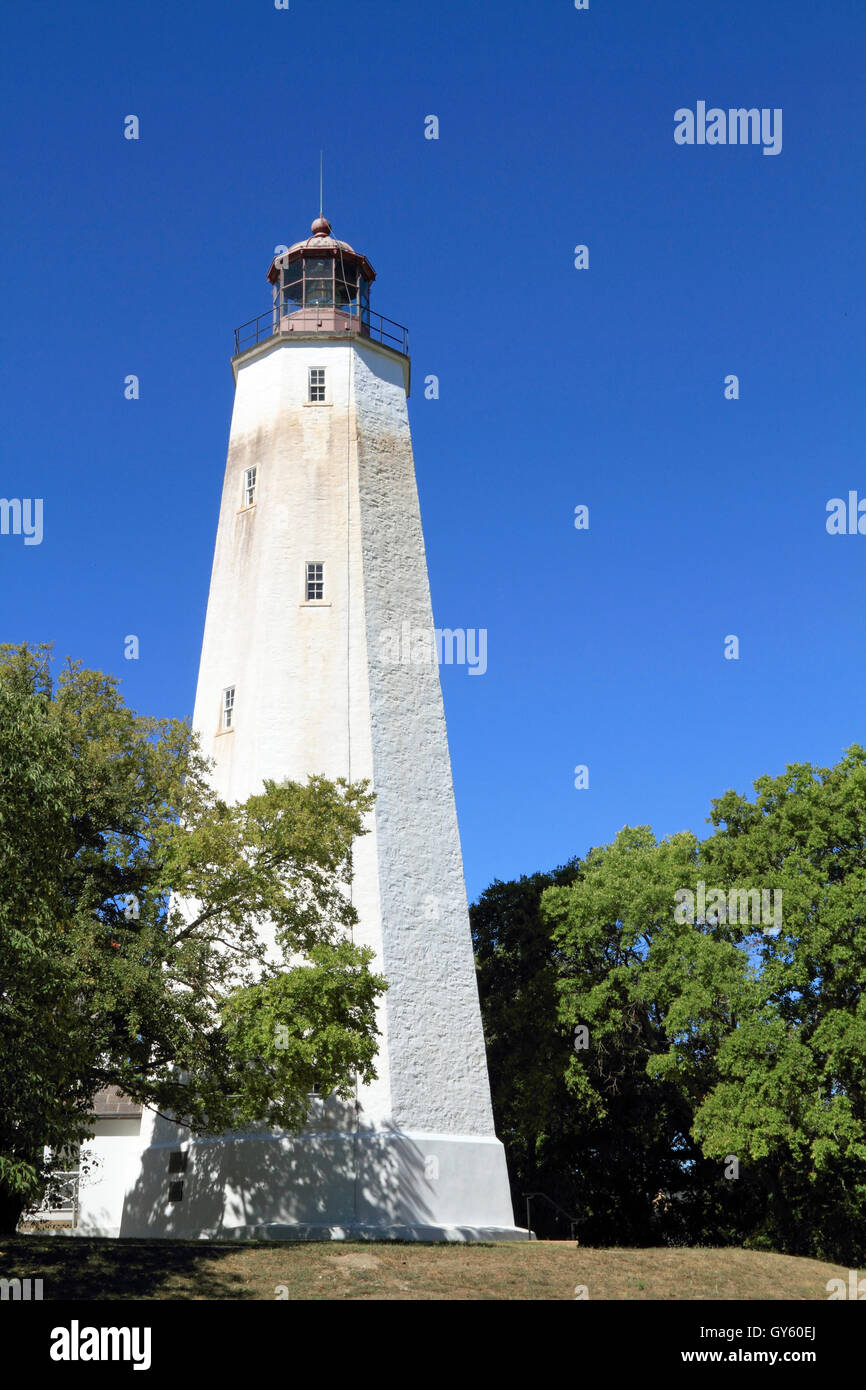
228	707
315	580
317	383
250	487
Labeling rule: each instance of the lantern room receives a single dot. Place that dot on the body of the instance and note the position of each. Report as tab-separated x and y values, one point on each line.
321	285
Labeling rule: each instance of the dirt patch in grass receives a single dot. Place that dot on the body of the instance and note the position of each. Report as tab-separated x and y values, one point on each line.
112	1270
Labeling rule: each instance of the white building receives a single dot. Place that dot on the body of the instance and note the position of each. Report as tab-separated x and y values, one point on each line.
319	561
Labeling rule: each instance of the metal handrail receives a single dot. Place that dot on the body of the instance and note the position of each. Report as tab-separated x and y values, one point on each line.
572	1220
60	1195
367	324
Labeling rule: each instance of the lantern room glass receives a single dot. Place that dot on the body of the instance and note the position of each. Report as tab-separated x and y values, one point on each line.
293	287
318	281
324	281
346	286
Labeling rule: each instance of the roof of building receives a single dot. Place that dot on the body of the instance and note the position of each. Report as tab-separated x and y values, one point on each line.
110	1102
320	239
320	235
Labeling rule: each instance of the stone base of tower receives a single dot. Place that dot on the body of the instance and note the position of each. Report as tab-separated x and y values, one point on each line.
451	1234
319	1185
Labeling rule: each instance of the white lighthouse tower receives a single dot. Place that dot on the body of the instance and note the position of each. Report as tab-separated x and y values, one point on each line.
318	573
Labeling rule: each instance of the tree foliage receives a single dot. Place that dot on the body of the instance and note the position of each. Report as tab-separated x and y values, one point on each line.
527	1046
720	1096
195	954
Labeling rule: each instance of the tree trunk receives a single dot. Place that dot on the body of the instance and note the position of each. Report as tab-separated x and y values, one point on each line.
11	1206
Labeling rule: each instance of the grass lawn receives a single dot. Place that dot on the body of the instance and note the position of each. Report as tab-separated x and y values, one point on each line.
108	1269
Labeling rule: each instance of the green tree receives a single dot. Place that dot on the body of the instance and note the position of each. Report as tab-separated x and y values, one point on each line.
569	1034
528	1047
790	1099
195	954
642	1176
727	1056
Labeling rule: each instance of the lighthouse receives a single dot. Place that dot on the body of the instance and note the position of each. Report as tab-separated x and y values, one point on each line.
318	569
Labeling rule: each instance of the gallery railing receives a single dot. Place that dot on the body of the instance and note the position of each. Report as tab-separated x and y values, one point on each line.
366	324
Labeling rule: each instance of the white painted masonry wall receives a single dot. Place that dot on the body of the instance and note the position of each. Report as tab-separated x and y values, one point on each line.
434	1020
314	693
110	1161
297	711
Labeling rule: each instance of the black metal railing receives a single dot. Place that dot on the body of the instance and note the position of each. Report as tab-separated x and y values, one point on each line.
573	1221
340	319
59	1199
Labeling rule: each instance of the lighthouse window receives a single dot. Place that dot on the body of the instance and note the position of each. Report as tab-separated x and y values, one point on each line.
315	580
317	383
228	707
249	487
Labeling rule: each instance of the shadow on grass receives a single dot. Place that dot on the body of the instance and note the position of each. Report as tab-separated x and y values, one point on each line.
80	1268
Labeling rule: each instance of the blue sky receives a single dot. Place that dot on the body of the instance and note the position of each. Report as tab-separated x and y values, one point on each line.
558	386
